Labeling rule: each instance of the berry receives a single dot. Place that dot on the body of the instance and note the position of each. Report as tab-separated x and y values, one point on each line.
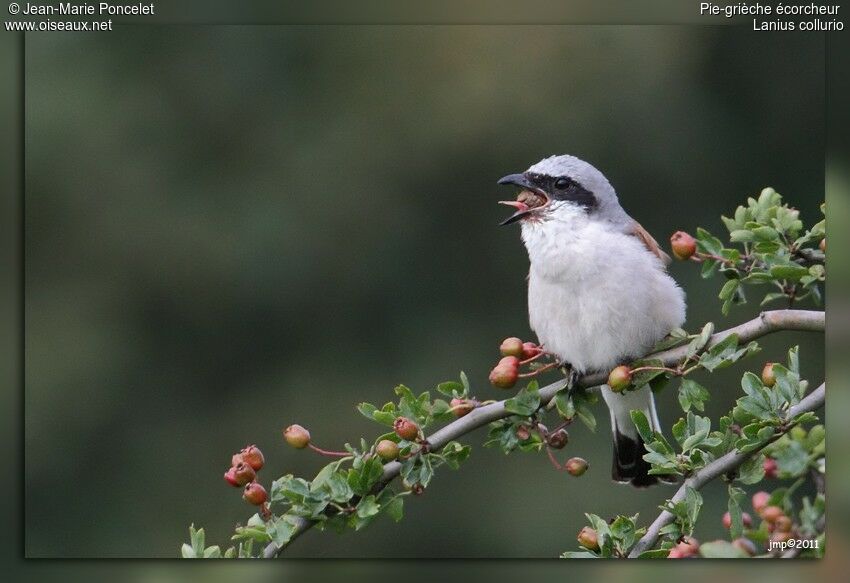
770	467
504	376
529	350
387	450
745	545
783	524
768	377
255	494
236	458
760	501
620	378
746	519
296	436
688	547
576	466
674	553
588	539
242	474
509	361
252	456
683	245
405	428
230	477
772	513
558	439
417	489
822	245
511	347
522	433
461	407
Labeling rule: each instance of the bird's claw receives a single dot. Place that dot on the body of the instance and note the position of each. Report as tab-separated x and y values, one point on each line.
572	377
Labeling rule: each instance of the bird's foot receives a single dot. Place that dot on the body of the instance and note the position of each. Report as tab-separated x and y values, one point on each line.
571	375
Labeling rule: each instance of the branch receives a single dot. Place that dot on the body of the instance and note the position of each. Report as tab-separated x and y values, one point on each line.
765	323
719	467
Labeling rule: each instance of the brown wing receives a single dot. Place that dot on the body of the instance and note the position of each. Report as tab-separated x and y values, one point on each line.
650	243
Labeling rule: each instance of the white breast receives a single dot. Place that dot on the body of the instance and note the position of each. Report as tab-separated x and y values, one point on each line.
597	297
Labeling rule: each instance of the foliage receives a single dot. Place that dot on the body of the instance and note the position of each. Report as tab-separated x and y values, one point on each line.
769	246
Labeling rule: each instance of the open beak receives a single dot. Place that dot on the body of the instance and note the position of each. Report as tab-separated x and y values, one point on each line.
521	206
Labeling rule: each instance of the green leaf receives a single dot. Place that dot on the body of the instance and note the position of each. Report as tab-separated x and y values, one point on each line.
742	236
362	478
526	402
654	554
752	470
790	271
698	343
395	508
692	394
736	495
642	425
453	453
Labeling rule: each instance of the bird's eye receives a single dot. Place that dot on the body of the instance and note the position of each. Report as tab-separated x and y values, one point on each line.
562	183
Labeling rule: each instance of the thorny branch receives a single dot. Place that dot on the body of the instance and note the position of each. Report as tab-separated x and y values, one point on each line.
766	323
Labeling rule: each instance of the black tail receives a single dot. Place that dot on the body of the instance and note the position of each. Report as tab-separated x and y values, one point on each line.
629	465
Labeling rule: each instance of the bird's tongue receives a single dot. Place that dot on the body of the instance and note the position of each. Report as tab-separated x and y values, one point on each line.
524	203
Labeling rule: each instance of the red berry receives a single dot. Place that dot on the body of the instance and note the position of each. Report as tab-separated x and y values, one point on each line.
619	378
674	553
770	467
529	350
772	513
522	433
252	456
576	466
236	458
558	439
746	519
255	494
387	450
683	245
783	524
242	474
405	428
296	436
768	377
461	407
760	501
230	477
688	547
506	373
588	538
511	347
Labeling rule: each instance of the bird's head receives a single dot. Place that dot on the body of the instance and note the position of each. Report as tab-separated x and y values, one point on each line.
562	187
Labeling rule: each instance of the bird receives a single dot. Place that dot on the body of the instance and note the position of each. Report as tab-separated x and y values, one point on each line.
599	294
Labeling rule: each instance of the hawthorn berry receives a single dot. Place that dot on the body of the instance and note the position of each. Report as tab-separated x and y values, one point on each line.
746	519
296	436
230	477
558	439
522	433
387	450
461	407
619	378
255	494
405	428
688	546
760	500
252	456
770	467
683	245
772	513
768	377
530	350
783	524
506	373
588	538
242	474
576	466
822	245
511	347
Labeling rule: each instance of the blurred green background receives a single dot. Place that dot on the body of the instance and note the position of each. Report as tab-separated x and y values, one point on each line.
230	229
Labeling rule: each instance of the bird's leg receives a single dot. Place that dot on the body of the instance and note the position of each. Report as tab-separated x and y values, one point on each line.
572	376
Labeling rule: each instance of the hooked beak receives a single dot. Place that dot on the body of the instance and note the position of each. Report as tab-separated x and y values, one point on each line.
522	209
